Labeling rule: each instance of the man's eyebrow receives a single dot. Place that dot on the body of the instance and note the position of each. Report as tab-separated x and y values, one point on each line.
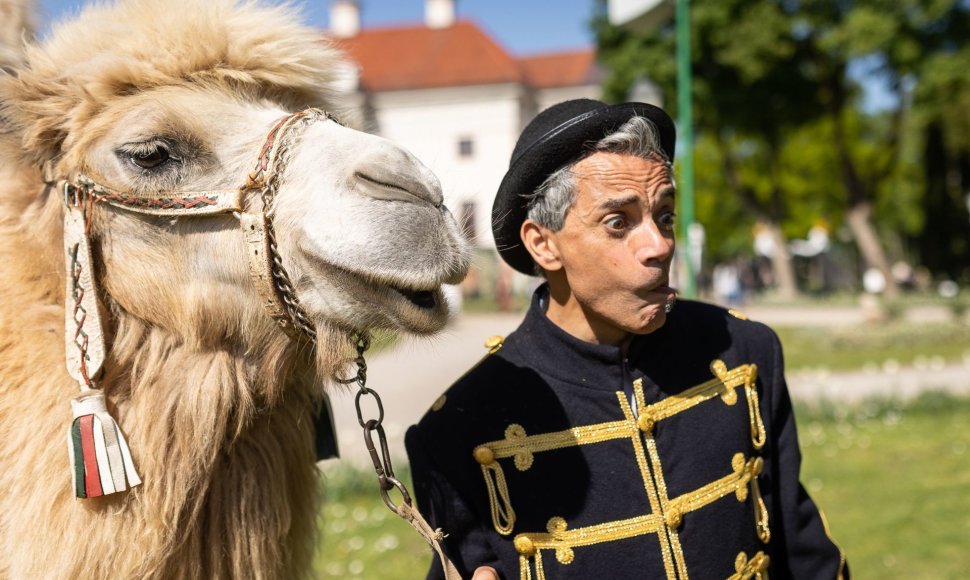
615	203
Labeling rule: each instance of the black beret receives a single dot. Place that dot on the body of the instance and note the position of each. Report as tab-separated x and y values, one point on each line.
555	138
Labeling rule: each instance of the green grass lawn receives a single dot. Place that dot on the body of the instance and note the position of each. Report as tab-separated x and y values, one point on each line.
895	485
847	348
361	537
894	482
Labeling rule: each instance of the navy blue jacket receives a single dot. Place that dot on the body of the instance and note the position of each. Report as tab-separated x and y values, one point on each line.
556	458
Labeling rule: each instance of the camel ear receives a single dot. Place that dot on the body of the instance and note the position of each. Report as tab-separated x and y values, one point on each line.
35	110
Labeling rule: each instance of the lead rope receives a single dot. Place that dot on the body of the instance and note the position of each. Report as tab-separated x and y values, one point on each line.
382	462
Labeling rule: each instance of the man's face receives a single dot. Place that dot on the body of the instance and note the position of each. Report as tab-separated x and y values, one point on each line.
615	246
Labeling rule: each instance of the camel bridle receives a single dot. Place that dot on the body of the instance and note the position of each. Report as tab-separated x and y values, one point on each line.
266	268
99	453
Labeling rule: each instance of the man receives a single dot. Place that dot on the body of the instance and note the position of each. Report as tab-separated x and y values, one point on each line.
613	435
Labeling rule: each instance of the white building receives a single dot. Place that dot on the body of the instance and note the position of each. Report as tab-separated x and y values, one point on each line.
449	93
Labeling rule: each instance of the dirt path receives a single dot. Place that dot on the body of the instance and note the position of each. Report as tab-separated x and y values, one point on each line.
415	372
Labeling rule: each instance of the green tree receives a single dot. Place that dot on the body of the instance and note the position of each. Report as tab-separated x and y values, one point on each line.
773	94
747	100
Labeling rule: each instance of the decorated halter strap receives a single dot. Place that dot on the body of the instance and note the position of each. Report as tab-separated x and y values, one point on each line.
99	454
269	276
174	203
101	459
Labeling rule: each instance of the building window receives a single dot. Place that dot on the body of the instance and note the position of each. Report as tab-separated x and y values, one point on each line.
466	147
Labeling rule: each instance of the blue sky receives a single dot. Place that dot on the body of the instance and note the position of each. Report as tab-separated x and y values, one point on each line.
521	26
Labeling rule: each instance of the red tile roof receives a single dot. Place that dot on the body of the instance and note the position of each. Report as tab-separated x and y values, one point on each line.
418	57
561	69
415	57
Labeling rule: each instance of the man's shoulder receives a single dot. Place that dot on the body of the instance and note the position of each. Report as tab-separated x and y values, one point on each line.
691	315
485	385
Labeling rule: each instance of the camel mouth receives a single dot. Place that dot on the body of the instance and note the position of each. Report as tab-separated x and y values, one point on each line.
424	299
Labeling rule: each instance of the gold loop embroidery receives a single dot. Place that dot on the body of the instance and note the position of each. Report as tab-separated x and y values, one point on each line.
562	540
503	516
515	435
748	374
756	568
758	435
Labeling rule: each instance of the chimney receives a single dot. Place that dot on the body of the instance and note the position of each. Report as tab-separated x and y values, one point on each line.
439	13
344	18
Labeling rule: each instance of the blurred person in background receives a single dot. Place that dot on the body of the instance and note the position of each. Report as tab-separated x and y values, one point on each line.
614	434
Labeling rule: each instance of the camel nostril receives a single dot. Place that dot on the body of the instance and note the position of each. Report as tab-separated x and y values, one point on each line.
391	173
396	187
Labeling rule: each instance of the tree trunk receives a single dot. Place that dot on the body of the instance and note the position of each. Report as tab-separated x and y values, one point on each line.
858	218
781	264
858	193
770	217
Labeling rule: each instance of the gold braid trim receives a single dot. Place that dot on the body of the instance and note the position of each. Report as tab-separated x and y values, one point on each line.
666	514
671	515
503	516
756	568
522	447
825	526
749	376
657	503
724	384
563	540
758	503
735	482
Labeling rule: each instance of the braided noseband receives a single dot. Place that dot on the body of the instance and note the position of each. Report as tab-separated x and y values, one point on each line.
100	456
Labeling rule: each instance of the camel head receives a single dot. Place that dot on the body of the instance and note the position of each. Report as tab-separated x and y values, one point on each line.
146	98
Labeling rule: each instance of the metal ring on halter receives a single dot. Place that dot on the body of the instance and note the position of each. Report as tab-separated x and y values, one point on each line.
406	498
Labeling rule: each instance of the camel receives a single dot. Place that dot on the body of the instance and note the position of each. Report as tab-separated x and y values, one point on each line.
133	132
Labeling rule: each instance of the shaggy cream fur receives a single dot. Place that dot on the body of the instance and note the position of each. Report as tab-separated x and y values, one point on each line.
216	402
16	26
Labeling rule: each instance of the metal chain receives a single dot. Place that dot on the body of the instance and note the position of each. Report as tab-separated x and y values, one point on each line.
281	279
382	460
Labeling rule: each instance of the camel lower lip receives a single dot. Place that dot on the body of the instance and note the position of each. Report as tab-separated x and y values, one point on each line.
421	298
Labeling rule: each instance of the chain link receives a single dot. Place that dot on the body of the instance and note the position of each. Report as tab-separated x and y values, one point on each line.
381	459
281	279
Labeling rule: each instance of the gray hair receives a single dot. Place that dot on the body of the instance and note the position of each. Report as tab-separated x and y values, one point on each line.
548	205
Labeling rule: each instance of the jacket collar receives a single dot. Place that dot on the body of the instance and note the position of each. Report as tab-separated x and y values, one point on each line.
554	352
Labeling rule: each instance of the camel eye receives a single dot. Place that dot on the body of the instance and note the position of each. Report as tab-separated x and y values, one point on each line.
152	158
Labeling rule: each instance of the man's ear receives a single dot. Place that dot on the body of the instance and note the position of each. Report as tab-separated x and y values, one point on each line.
541	244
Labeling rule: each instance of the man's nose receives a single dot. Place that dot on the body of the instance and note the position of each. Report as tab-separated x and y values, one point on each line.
653	246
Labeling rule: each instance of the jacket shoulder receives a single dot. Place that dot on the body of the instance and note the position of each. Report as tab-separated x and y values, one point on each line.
692	314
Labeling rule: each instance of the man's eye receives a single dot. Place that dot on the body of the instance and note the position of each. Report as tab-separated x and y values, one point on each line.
616	223
668	219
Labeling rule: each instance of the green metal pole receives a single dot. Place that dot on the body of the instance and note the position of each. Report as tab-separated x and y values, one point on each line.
685	131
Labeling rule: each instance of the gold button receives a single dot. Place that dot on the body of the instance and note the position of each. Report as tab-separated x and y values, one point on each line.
645	423
494	341
484	455
524	545
674	517
439	403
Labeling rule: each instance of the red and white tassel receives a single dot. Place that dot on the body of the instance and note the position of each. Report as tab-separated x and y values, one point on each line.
100	457
99	453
